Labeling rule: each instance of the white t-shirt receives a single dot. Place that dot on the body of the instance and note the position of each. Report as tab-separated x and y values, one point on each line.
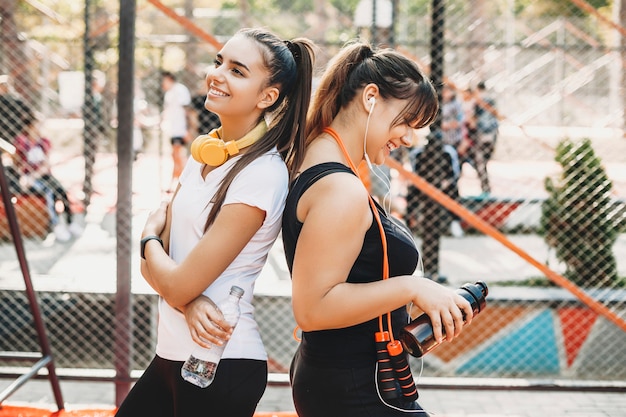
174	115
261	184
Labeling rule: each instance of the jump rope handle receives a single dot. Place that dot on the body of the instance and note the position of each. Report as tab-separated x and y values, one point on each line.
386	377
400	365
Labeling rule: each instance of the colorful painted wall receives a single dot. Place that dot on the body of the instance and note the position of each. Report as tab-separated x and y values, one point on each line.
538	339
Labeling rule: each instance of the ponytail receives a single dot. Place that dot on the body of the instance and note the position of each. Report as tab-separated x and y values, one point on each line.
293	121
357	65
329	97
290	68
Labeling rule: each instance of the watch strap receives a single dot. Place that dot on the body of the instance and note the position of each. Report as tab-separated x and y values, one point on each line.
146	240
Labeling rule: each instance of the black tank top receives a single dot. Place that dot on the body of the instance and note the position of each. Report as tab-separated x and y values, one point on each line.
351	346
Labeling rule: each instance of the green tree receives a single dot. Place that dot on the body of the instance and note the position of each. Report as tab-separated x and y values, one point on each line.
13	58
579	218
556	7
345	7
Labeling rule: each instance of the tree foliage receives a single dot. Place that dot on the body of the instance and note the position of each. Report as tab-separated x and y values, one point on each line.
556	7
579	217
345	7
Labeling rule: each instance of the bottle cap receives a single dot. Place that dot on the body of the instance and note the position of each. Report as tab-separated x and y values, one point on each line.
236	291
484	288
478	292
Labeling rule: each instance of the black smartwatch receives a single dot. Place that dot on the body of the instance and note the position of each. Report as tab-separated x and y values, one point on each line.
145	240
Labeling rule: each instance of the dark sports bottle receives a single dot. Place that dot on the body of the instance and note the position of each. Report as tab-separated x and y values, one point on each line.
417	337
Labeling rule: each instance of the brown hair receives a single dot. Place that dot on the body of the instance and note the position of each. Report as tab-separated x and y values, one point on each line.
357	65
290	68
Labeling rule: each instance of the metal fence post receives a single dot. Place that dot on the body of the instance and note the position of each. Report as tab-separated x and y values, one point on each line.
123	298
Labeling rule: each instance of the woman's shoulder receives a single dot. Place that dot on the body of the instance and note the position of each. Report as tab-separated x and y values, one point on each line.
271	160
312	173
337	184
268	169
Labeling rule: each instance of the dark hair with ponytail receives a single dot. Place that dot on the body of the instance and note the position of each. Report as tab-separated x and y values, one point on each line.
357	65
290	68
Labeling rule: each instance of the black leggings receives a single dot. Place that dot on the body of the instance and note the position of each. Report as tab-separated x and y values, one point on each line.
342	392
162	392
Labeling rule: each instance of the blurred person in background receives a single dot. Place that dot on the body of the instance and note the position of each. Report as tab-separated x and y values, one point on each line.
140	118
140	113
13	110
452	117
453	130
96	129
32	162
222	221
487	126
367	104
437	163
468	104
176	100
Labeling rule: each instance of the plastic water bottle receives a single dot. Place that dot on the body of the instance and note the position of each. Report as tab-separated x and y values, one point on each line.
199	369
417	337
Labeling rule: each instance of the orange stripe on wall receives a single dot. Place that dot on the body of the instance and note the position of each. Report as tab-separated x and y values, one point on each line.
483	327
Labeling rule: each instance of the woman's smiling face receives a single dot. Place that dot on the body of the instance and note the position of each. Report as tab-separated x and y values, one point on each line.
385	133
237	81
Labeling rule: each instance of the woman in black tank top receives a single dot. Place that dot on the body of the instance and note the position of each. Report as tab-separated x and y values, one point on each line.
336	239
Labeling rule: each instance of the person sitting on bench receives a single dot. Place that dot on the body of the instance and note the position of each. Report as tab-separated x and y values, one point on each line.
32	162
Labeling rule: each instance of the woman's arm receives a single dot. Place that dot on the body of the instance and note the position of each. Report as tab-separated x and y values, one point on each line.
206	322
181	283
336	216
164	235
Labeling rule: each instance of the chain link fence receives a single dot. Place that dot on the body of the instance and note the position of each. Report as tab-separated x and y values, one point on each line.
527	163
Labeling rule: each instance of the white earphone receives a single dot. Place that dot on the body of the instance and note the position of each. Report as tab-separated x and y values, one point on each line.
372	101
381	176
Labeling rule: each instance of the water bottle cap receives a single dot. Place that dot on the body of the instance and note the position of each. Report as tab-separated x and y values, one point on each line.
484	288
478	291
236	291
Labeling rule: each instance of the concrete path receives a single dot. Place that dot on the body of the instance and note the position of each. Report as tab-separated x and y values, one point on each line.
453	400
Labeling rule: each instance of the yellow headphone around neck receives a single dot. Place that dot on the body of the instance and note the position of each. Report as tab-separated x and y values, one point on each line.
210	149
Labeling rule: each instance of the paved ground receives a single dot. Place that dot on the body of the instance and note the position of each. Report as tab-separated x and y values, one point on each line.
454	400
89	263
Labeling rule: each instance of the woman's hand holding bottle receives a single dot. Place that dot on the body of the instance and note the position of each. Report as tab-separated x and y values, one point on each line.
206	322
447	310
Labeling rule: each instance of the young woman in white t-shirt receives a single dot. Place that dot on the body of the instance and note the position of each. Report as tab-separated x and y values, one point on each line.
222	221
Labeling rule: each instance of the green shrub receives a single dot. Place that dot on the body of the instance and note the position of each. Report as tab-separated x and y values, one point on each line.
579	217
